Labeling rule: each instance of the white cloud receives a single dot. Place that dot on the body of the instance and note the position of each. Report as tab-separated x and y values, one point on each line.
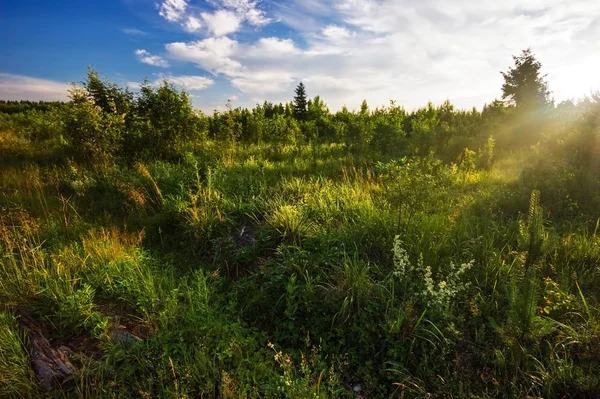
336	33
189	82
416	51
213	54
221	22
172	10
412	51
257	17
272	47
227	16
18	87
263	81
223	56
247	10
192	24
150	59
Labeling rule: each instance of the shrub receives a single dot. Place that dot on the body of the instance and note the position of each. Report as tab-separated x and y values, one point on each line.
94	135
467	160
164	123
485	160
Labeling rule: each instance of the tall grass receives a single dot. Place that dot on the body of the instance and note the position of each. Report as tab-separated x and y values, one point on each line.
300	271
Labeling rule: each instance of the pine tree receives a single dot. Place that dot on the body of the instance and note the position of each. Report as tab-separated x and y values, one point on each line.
524	86
300	103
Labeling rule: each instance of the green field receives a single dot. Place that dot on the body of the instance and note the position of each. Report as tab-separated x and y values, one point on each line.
270	253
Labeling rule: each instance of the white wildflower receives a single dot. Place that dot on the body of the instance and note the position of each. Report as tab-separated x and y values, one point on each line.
402	265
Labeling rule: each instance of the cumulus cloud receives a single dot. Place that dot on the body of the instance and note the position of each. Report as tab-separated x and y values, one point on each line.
336	33
412	51
192	24
18	87
224	56
256	17
263	81
225	17
221	22
155	60
189	82
213	54
272	47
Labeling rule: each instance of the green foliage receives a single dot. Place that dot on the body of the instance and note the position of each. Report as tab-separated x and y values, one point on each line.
204	217
17	378
289	222
95	135
40	126
22	106
486	154
467	160
388	135
418	282
105	94
524	321
532	235
72	307
164	122
256	254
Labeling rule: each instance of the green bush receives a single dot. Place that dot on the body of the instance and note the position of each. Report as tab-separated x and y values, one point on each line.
94	135
164	122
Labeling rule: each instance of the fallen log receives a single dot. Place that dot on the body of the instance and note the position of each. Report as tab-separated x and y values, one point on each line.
52	366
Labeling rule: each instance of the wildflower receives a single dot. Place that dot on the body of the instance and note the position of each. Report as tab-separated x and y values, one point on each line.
402	264
436	291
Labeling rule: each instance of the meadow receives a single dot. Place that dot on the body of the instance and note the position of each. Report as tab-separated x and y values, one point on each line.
161	252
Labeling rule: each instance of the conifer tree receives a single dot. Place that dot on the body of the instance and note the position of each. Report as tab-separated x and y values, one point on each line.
300	103
524	86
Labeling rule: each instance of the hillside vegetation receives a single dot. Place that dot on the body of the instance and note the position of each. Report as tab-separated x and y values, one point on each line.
288	251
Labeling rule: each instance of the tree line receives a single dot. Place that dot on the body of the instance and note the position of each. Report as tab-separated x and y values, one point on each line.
15	107
103	120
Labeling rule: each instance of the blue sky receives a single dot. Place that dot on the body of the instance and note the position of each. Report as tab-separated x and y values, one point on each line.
412	51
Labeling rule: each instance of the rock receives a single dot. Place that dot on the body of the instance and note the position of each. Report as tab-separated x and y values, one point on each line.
119	333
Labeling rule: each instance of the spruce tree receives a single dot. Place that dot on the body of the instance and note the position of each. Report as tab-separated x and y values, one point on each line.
524	86
300	103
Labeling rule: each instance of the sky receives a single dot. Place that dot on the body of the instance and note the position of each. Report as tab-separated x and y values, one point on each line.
346	51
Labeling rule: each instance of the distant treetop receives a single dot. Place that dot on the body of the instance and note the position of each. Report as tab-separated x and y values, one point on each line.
524	86
300	103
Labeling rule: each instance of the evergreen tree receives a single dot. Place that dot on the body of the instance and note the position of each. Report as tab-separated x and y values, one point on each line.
524	86
300	103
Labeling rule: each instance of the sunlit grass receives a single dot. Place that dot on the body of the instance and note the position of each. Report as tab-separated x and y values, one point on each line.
219	254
